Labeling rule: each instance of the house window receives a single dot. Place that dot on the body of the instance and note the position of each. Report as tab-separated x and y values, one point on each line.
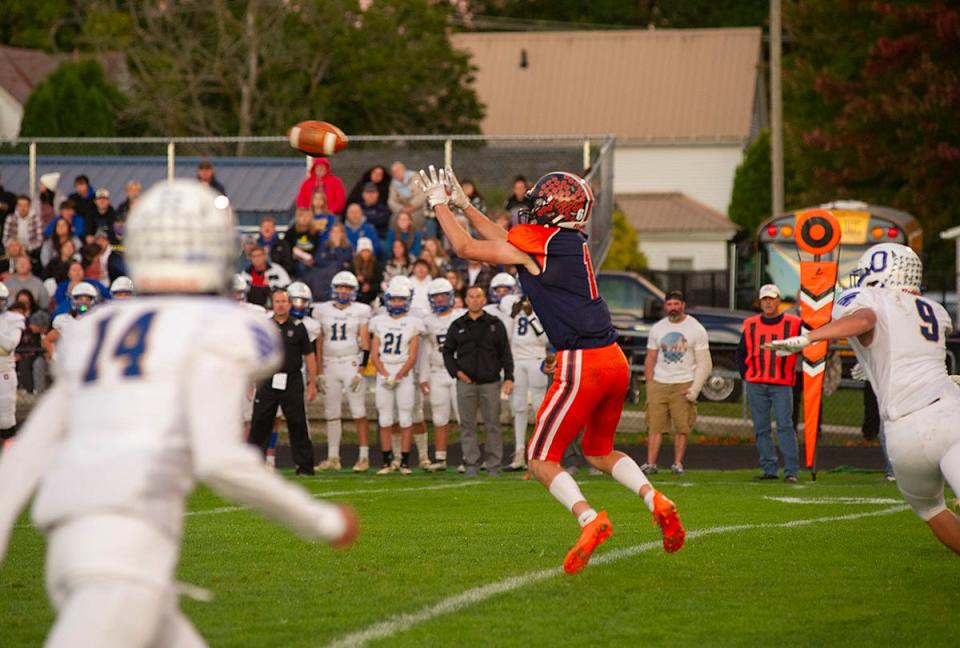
680	263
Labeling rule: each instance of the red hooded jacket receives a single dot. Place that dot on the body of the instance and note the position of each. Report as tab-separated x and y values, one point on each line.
332	188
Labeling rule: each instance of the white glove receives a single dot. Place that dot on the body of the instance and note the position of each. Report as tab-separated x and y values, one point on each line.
788	346
857	372
355	383
390	382
457	196
434	186
692	394
955	378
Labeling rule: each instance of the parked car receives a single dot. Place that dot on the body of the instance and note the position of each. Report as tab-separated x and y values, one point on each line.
636	304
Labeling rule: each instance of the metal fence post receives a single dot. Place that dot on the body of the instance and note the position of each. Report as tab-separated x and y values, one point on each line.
448	153
171	160
32	173
586	154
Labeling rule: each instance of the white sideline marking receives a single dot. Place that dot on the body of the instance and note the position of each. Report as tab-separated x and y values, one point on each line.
405	621
366	491
833	500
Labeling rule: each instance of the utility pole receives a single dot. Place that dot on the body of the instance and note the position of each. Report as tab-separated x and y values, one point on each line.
776	111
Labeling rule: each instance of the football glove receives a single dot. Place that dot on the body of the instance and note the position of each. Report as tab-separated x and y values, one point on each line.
390	383
457	197
434	185
857	372
788	346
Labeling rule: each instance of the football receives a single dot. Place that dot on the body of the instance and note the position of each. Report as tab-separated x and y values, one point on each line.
317	138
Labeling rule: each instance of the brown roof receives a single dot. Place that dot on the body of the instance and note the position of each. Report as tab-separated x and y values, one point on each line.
671	212
695	84
22	69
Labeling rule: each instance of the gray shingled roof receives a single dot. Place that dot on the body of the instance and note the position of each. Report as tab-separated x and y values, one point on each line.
671	212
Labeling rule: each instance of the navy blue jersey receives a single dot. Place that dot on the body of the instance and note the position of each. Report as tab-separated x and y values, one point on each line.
564	294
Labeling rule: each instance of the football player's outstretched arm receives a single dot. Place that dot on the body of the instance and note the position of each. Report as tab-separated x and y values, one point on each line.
233	469
486	227
496	252
24	464
855	324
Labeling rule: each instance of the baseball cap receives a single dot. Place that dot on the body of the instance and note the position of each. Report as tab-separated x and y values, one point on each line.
675	294
103	193
363	243
370	186
769	290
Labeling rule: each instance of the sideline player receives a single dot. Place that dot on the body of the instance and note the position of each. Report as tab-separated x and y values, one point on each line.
122	288
238	290
396	340
344	338
12	325
899	339
435	382
592	375
501	296
83	297
532	361
147	403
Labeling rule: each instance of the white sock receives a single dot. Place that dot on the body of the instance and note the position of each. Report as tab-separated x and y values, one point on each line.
365	452
520	430
441	455
587	517
566	490
334	431
421	441
627	472
648	498
395	444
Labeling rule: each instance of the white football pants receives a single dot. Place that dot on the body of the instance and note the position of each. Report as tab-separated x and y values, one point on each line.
337	377
443	397
528	381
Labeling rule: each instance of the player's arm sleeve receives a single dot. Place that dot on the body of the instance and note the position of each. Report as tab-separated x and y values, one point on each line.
24	464
9	336
232	468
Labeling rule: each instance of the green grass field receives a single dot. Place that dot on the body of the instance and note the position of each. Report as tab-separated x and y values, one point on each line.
447	561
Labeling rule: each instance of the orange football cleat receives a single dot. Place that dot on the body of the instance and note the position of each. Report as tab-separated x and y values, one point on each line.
591	536
665	515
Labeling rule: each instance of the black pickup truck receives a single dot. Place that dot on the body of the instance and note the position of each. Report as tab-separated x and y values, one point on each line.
636	304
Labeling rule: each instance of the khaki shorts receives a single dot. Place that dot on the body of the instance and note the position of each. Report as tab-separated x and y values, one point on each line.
668	402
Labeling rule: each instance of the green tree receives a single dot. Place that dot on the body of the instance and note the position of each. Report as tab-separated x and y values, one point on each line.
51	25
75	101
751	199
624	252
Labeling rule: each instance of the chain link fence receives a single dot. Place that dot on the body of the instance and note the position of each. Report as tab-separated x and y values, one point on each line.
261	175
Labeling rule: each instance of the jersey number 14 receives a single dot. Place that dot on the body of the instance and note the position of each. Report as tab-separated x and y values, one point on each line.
129	350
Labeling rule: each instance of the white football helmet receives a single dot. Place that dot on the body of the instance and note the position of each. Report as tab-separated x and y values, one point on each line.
501	285
180	238
82	290
121	288
441	295
240	287
400	287
889	265
4	297
300	298
344	279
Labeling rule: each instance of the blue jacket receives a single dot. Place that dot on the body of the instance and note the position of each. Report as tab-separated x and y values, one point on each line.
412	239
63	299
365	229
79	226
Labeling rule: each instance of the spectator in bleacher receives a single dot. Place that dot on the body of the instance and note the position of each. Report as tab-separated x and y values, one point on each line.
248	242
31	363
61	298
377	213
8	260
82	197
207	175
518	198
439	256
68	213
456	280
48	197
8	201
23	225
321	178
133	194
421	278
263	276
367	270
62	231
104	215
478	274
357	227
56	268
503	219
112	264
336	252
24	279
399	264
378	176
324	219
277	248
403	230
304	242
406	195
471	192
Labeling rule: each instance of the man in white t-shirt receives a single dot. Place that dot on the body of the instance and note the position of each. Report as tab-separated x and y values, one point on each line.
676	366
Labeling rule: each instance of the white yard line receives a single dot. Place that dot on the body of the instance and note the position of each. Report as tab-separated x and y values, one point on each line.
833	500
363	491
403	622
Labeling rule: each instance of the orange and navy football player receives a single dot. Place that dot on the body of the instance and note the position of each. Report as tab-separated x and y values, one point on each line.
591	377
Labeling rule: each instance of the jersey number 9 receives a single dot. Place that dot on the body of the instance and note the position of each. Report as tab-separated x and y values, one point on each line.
930	328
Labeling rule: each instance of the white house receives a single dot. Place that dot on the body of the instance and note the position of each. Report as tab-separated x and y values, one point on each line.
683	104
